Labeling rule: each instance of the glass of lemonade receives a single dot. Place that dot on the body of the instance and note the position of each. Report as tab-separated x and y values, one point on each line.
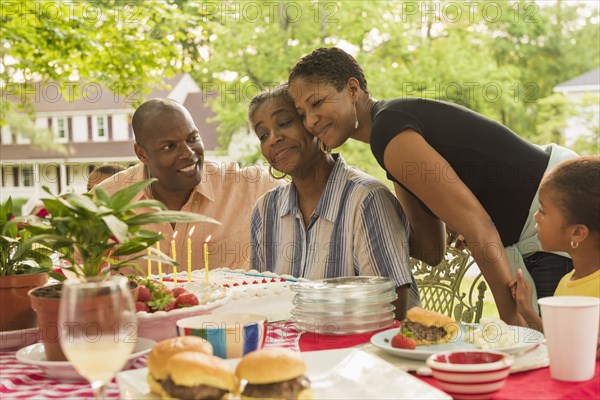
99	328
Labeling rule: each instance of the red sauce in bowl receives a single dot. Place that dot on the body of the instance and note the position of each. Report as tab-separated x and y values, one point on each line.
467	357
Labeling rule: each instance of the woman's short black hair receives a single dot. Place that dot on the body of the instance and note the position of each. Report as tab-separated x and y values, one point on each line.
329	65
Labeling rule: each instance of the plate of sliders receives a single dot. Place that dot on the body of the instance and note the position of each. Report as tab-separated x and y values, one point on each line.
426	332
188	370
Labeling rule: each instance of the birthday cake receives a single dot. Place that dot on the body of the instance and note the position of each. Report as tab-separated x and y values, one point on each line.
241	283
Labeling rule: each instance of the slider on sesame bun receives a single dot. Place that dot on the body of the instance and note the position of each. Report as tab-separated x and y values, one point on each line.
194	375
165	349
274	374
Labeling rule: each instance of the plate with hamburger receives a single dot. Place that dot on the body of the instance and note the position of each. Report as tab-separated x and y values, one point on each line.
426	332
185	368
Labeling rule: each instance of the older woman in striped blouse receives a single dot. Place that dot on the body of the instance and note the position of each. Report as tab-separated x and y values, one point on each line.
330	220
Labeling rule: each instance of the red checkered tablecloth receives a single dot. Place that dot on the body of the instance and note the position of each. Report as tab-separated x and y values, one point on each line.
24	381
21	381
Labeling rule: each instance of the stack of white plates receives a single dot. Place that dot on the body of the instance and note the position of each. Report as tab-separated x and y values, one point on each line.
346	305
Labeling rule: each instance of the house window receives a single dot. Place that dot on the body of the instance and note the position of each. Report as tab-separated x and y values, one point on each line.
100	127
28	176
15	176
61	130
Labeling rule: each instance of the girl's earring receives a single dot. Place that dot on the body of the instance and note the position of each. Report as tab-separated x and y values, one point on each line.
324	148
275	176
356	124
574	244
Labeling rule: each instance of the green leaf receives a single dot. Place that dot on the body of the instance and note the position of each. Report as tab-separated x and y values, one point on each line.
130	247
145	204
149	235
118	228
123	197
170	216
101	195
82	201
23	248
57	276
57	207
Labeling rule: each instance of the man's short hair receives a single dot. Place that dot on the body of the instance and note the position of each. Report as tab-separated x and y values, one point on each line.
108	169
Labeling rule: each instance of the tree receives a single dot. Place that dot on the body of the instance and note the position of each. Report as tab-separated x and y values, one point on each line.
127	47
497	58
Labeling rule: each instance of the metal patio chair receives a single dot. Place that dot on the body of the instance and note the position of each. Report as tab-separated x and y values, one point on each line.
440	286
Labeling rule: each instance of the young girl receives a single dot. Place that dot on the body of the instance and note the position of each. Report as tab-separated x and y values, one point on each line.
569	221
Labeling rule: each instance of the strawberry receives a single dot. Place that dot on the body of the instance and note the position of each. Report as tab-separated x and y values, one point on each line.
187	300
402	342
144	294
172	305
141	306
162	301
178	291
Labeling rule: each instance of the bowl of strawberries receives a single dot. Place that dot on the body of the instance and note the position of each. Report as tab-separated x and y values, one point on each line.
160	305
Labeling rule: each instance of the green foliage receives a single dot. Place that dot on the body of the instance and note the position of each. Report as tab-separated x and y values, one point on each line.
498	59
552	118
19	253
107	41
18	204
97	234
127	47
586	112
358	154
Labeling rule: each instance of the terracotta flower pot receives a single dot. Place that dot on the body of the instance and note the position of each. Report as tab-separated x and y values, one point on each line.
45	301
16	307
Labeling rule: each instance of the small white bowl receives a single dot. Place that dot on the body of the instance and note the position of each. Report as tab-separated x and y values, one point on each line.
471	374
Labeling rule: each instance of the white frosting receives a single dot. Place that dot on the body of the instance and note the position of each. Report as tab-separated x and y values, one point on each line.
244	284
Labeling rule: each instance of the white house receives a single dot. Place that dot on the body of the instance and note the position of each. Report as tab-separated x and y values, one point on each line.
95	128
582	95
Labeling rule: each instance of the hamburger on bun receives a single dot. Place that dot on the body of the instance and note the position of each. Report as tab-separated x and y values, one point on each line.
163	350
428	327
274	373
194	375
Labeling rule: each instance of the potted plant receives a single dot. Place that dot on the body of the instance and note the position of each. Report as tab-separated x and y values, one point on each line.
96	235
23	266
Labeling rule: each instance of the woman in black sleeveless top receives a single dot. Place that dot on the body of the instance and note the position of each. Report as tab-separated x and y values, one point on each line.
448	164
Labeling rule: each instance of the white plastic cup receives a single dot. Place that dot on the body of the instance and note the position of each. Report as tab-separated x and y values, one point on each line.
571	330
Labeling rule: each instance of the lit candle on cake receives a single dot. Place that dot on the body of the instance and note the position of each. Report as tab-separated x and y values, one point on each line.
149	264
159	263
206	256
174	256
189	253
